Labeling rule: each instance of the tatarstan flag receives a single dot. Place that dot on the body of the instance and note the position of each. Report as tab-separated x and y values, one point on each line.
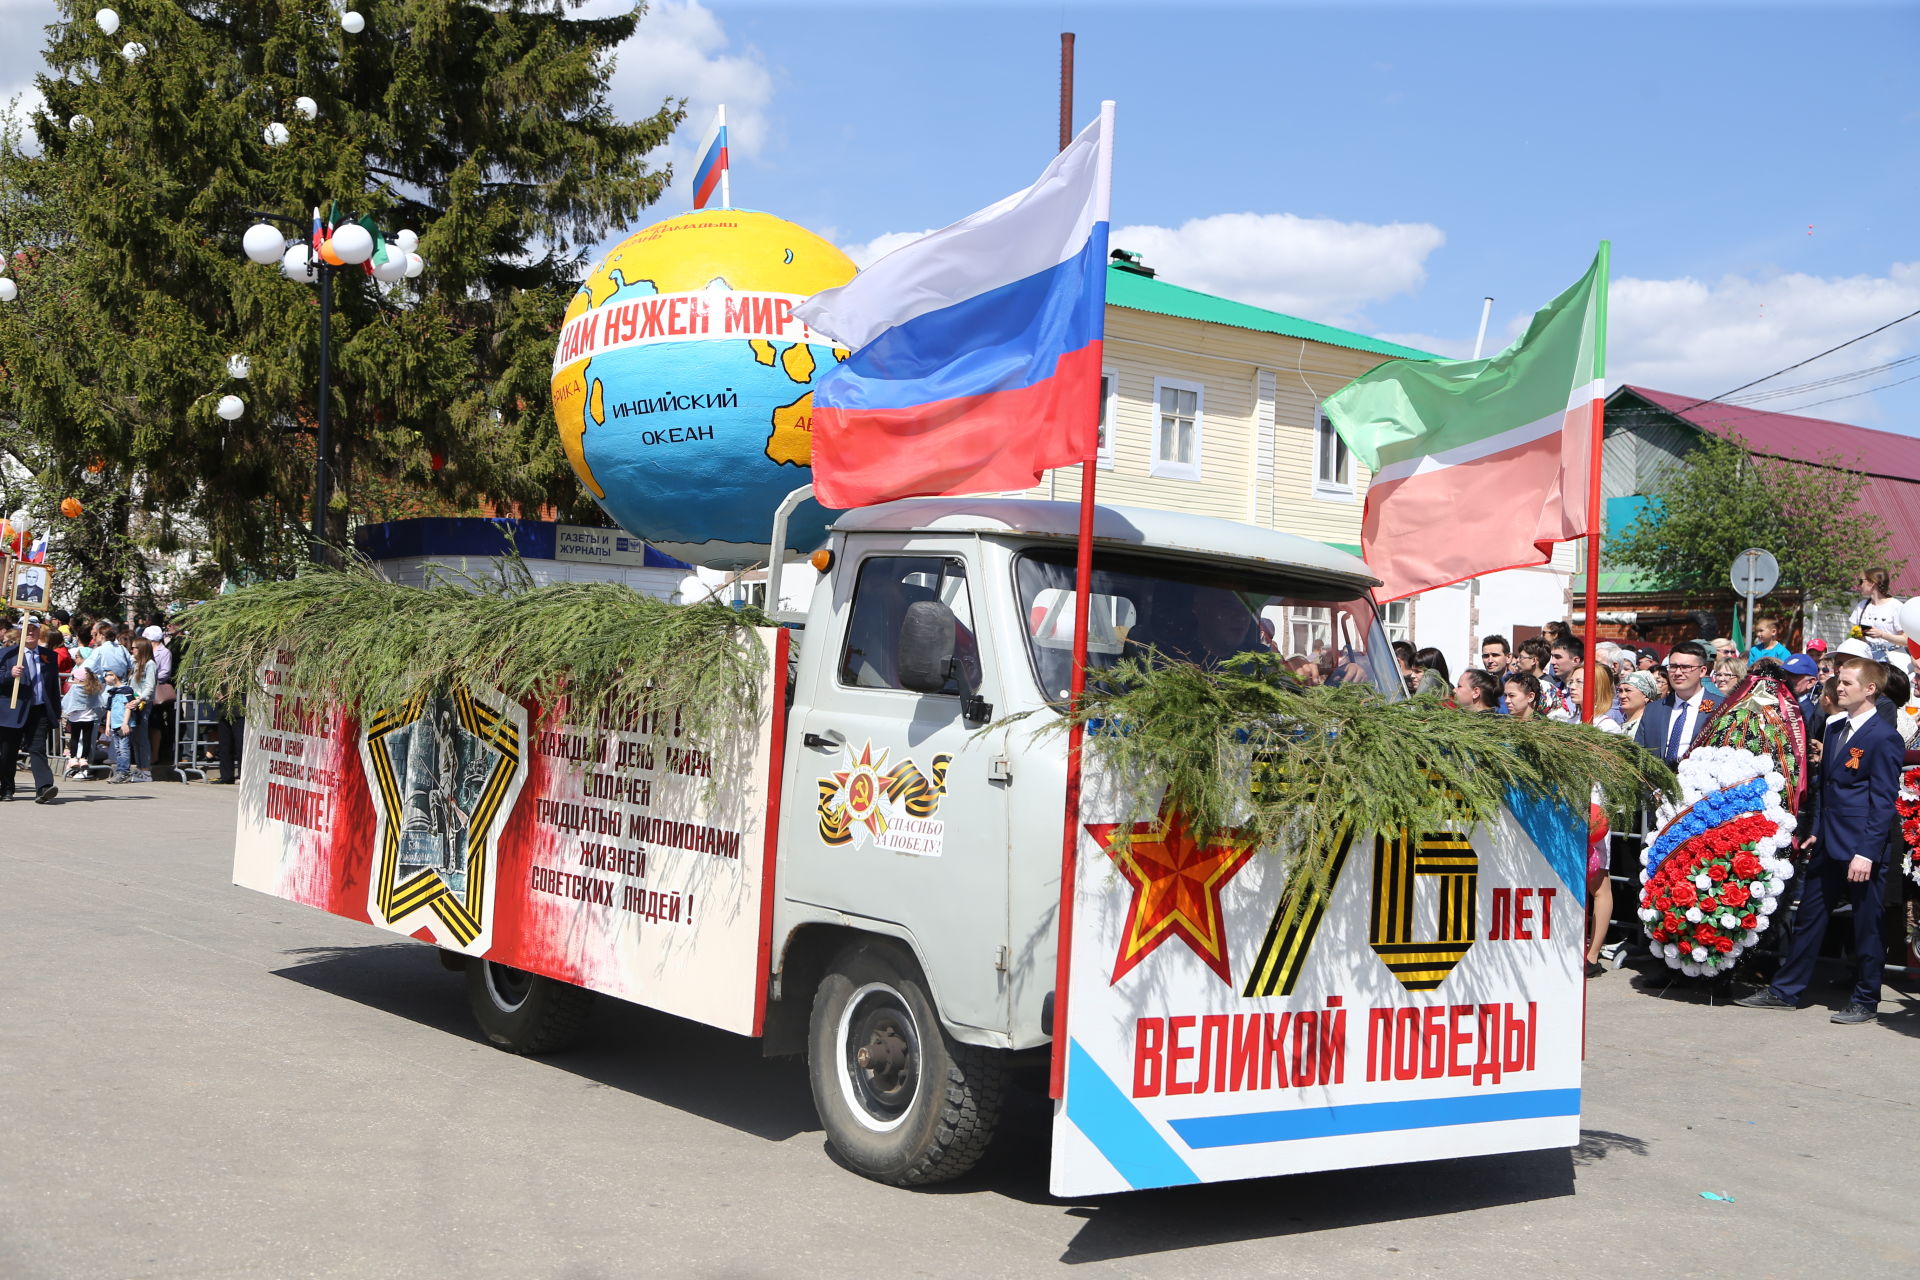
1481	465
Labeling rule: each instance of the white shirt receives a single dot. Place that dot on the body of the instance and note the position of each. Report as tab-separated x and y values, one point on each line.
1855	722
1690	719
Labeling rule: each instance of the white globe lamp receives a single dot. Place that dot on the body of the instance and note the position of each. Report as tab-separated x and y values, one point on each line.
107	20
238	367
276	134
393	270
353	242
416	265
407	240
352	23
133	51
80	124
296	264
263	244
230	407
8	290
307	107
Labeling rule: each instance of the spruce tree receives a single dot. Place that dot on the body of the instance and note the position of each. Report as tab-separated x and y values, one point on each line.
484	127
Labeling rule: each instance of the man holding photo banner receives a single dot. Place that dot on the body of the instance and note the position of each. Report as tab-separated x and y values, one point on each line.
28	712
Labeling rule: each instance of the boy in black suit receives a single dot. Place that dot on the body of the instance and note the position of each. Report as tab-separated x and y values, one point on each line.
1860	760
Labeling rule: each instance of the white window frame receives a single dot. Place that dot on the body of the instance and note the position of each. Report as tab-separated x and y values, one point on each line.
1180	470
1110	416
1396	619
1329	490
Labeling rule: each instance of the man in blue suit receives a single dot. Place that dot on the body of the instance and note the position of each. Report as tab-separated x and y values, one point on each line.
1668	726
1860	759
29	715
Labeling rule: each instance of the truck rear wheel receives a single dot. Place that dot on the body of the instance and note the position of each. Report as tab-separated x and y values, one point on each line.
902	1101
523	1012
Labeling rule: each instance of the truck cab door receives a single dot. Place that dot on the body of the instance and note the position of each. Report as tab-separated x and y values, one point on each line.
903	824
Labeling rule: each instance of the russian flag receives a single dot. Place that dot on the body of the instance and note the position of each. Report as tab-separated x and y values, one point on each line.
711	175
37	553
976	349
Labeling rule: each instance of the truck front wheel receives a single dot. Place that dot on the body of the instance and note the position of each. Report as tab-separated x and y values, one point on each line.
523	1012
902	1102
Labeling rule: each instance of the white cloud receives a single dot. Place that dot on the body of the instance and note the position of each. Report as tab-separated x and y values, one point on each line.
681	50
865	255
1703	338
1315	268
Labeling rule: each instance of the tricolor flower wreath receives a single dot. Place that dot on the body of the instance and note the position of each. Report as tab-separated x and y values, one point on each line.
1714	870
1907	805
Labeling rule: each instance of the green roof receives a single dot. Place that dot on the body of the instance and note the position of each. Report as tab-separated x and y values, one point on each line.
1136	292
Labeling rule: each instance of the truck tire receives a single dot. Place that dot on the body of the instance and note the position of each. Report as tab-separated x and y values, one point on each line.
523	1012
902	1102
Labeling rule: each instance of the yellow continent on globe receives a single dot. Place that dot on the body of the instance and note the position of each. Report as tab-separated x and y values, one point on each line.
712	251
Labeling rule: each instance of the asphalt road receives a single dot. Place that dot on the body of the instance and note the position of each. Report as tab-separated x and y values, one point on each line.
198	1081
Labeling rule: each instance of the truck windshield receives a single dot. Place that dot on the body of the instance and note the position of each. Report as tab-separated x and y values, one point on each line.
1171	610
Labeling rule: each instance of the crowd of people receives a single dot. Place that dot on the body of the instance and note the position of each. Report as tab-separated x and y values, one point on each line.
86	698
1855	701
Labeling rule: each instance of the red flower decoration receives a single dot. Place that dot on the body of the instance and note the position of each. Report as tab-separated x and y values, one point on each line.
1745	865
1683	893
1749	920
1734	895
1717	872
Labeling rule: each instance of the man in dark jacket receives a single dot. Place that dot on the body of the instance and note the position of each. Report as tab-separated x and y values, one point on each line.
1668	726
29	711
1860	758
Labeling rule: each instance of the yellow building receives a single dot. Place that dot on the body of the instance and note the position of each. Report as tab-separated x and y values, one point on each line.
1213	407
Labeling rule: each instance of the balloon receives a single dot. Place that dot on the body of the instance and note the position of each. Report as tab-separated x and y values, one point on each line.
352	22
329	254
1910	617
415	265
353	242
230	407
263	244
406	240
394	269
107	20
71	508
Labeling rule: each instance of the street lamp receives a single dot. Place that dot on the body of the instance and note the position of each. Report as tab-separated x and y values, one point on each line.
347	247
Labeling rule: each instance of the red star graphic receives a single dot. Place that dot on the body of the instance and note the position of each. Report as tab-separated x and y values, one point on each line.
1176	887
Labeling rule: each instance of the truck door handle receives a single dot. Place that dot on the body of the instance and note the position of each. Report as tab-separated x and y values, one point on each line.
828	741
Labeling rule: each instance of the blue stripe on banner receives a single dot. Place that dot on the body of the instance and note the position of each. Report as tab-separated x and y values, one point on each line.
714	152
1560	833
1255	1127
1115	1126
1003	340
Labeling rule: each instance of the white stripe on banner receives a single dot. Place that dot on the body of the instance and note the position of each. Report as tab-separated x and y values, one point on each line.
1487	446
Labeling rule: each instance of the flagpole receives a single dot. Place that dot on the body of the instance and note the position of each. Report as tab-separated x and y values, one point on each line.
1594	520
1076	684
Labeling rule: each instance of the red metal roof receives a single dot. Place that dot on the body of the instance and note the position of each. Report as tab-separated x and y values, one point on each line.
1891	461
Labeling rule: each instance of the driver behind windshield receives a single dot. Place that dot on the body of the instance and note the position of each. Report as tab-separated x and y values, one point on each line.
1201	625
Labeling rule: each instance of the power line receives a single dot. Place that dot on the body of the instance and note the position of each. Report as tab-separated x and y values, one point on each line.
1851	394
1809	360
1821	384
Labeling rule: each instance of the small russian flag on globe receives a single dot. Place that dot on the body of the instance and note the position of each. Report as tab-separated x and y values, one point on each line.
711	176
37	553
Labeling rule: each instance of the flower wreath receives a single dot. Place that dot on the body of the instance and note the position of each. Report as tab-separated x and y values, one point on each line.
1907	805
1714	870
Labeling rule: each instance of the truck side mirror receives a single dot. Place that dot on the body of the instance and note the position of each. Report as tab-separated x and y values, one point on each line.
926	647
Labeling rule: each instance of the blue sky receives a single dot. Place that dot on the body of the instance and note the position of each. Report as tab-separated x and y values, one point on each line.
1377	166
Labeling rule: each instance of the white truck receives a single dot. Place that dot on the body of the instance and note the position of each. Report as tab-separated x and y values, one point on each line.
870	874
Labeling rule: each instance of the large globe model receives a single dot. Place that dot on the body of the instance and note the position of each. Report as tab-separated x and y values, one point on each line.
683	385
